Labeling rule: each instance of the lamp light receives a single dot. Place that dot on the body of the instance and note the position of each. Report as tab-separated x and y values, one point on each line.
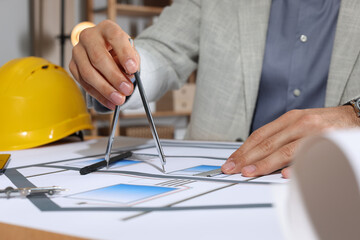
75	33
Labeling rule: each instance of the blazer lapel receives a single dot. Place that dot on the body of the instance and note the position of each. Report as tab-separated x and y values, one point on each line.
253	17
345	51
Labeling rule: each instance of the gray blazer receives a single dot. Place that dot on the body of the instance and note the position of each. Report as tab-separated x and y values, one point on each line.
225	41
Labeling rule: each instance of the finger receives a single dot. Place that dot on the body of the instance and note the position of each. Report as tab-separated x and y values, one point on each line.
306	124
286	172
94	93
93	78
268	130
117	62
271	145
88	88
119	42
261	135
100	58
275	161
73	69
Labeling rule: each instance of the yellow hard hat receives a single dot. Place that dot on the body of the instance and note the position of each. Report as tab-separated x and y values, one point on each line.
39	103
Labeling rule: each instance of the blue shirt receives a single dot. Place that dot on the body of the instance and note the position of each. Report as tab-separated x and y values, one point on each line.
297	57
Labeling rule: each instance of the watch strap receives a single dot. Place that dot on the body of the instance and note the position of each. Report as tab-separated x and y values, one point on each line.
355	103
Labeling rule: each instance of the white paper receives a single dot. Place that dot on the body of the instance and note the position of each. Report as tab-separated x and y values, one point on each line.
133	198
323	199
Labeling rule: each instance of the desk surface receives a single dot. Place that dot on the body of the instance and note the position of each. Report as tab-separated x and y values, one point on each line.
135	200
9	231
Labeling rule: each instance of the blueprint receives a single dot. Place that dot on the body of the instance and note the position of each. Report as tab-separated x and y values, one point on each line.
134	191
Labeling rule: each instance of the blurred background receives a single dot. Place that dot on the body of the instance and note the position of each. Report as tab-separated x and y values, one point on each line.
43	27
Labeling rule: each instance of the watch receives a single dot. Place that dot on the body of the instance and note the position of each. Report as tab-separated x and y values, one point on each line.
356	105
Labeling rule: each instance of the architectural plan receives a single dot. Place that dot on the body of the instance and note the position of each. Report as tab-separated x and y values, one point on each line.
134	190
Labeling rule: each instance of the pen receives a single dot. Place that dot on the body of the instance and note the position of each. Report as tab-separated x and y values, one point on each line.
94	167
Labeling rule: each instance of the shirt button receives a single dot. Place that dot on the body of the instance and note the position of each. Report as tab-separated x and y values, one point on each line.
296	92
303	38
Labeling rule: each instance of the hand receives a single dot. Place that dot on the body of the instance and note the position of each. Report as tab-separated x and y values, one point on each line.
103	61
272	146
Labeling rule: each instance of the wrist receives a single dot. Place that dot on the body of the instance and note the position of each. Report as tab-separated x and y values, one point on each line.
355	103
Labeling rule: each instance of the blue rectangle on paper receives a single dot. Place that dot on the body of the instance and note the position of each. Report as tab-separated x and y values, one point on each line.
201	168
123	193
196	170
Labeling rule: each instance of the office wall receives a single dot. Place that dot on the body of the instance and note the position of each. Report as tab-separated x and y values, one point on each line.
17	30
46	17
26	30
15	34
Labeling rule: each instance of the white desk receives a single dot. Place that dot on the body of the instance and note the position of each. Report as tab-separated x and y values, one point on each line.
190	207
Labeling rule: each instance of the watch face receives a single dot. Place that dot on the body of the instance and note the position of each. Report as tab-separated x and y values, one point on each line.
357	103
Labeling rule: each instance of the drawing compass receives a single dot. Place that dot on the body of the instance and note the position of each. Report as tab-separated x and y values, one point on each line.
149	118
112	134
24	192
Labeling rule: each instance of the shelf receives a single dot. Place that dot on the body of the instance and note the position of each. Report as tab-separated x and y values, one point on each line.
163	114
133	10
157	115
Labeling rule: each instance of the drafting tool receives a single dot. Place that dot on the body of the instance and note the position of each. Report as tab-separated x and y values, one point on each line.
113	127
149	117
4	160
151	121
210	173
111	136
94	167
74	40
24	192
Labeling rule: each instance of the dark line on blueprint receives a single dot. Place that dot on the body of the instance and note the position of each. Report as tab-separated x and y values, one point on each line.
44	203
182	156
206	179
142	147
41	201
180	201
147	209
42	174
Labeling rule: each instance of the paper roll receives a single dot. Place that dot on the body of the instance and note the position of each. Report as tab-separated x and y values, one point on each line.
324	194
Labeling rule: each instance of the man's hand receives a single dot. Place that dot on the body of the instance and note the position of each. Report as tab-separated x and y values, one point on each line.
272	146
103	61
